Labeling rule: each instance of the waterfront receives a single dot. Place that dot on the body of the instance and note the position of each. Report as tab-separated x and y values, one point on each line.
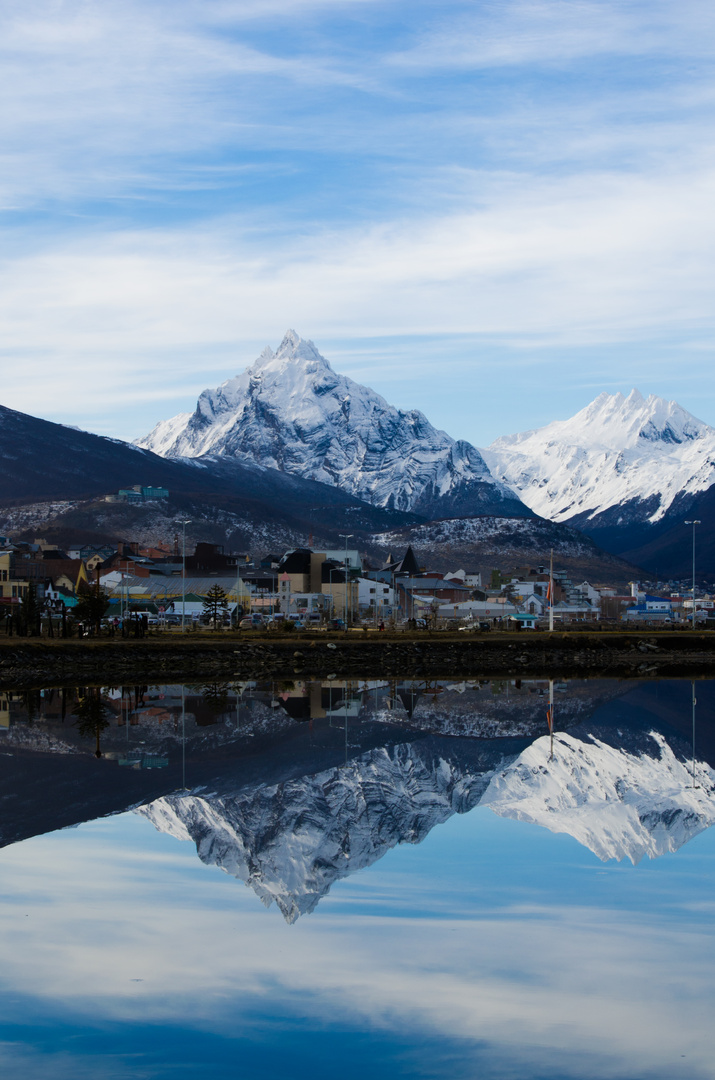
412	877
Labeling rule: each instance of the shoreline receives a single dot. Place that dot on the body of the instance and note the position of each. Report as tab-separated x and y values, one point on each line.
39	662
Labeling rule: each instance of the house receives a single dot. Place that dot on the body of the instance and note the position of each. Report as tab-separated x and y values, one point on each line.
494	610
351	557
406	565
375	595
210	559
342	592
303	565
523	622
69	573
139	493
471	578
434	587
650	609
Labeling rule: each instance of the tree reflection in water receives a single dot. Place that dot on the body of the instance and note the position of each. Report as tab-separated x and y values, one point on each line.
91	715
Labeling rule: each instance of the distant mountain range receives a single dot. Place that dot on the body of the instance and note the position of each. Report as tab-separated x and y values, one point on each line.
623	470
290	449
46	462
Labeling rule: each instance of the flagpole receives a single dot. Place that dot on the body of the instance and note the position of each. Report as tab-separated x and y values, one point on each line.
551	592
551	717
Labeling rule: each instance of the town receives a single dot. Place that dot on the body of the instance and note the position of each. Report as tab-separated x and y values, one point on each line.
167	587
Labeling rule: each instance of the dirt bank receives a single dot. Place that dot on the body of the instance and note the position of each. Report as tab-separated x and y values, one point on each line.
204	657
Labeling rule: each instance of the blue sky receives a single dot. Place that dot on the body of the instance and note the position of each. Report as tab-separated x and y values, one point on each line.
489	211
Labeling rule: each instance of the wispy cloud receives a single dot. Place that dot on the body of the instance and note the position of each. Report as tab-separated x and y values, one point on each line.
534	32
181	182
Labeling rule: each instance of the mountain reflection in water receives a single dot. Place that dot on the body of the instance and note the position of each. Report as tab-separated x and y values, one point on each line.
291	787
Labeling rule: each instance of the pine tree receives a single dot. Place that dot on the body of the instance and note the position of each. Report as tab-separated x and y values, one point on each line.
215	605
91	607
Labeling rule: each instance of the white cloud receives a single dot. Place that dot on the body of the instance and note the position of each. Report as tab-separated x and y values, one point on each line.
185	181
535	32
584	261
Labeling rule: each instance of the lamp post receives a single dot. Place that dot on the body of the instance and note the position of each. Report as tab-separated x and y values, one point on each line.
331	571
693	523
183	574
346	537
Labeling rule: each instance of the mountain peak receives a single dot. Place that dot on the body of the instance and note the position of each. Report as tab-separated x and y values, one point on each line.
295	348
265	358
616	451
290	411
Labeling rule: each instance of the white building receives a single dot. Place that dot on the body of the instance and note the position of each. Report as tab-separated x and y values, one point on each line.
375	594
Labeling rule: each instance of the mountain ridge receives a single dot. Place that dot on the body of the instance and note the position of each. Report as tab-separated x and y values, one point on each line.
291	412
625	470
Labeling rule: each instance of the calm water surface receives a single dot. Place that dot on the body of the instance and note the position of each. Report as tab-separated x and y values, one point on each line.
341	879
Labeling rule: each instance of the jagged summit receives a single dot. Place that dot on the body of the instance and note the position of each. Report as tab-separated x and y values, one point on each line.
291	412
618	450
615	421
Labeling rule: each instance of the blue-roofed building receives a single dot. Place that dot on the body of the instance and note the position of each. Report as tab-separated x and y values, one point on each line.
650	609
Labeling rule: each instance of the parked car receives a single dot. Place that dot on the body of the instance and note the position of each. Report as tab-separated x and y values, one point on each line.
251	622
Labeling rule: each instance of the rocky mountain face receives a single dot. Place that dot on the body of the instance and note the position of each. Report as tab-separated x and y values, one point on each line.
292	413
503	543
53	475
624	470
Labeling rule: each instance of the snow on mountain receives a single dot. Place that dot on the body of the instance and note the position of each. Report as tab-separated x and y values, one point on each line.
505	543
618	804
290	411
618	450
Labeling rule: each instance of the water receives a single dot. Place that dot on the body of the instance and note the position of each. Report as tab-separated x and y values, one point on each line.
404	880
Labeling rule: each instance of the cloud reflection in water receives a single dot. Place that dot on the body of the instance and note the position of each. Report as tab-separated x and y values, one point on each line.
492	945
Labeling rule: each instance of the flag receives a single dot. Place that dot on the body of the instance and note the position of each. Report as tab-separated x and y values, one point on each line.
550	591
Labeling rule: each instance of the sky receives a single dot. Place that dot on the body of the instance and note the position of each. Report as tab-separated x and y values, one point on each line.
490	211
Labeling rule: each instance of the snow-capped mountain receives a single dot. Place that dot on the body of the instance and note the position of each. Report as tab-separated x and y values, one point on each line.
291	412
619	461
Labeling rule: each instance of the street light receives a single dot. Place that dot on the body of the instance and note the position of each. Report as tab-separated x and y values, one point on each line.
693	523
346	537
183	575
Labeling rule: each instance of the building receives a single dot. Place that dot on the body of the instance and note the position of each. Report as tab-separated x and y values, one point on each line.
375	596
650	609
